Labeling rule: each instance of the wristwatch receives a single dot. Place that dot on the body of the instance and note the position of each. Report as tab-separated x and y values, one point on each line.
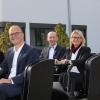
69	62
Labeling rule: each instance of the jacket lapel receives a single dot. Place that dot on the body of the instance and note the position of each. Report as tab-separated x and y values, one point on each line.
56	51
21	53
20	56
47	52
69	54
79	53
11	57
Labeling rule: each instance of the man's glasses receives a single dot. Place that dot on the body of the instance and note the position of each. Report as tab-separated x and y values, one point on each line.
14	34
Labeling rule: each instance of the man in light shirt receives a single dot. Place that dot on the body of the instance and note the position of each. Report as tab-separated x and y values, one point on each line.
17	58
53	51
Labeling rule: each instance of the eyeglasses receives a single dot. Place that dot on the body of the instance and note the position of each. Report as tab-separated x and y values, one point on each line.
14	34
74	37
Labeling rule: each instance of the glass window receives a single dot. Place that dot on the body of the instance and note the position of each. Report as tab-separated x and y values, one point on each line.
40	37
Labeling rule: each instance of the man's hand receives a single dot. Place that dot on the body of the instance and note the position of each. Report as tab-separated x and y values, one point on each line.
3	80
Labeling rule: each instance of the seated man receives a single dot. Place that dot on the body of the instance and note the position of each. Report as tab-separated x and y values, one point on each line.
14	64
53	51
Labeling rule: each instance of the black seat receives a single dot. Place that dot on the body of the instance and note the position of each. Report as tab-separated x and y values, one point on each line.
87	71
38	81
58	92
58	71
59	95
94	78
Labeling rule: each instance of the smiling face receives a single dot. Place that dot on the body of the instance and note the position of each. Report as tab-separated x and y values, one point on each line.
52	38
16	35
76	39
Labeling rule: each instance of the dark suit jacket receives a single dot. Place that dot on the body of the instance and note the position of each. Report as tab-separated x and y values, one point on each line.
59	53
1	57
82	56
28	55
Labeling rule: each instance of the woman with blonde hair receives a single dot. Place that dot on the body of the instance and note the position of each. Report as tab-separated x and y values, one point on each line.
76	56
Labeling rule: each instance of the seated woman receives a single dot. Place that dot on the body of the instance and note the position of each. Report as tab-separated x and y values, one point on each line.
76	55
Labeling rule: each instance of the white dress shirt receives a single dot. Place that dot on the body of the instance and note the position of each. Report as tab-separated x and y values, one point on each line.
14	63
52	51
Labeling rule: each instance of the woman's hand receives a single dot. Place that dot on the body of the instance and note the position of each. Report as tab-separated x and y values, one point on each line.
64	61
61	62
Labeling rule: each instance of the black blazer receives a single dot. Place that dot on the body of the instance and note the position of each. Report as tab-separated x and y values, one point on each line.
83	54
1	57
59	53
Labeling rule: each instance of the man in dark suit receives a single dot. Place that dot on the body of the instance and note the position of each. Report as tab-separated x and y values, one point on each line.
13	66
53	51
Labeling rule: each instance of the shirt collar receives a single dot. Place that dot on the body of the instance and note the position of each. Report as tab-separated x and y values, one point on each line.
54	46
19	49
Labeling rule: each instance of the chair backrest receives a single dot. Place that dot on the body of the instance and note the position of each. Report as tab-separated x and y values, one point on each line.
39	81
94	78
57	94
88	61
87	70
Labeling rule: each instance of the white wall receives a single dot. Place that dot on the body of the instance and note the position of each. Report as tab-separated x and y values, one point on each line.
1	10
83	12
36	11
87	12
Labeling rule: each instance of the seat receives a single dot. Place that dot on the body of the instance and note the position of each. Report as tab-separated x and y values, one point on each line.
38	81
58	93
59	71
94	78
87	71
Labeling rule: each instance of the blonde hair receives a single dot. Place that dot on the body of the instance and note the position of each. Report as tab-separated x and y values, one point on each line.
80	34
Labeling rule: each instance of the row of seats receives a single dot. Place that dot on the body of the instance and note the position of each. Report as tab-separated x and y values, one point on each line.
39	81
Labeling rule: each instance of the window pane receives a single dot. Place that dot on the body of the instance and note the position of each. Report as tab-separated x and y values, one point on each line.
40	37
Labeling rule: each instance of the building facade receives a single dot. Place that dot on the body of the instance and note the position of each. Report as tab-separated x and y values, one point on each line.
38	17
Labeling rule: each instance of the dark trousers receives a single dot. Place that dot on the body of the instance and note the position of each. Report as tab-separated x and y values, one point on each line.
75	81
9	90
2	96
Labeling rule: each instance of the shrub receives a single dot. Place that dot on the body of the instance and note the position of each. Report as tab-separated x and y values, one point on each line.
5	43
63	38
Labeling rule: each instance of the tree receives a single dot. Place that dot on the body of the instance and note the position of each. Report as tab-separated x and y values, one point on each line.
5	43
63	38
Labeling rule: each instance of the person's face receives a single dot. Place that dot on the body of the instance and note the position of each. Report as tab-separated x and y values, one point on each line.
16	36
76	39
52	38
